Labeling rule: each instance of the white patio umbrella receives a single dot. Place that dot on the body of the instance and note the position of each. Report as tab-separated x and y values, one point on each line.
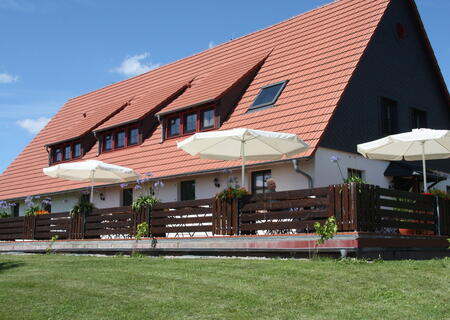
91	171
244	144
418	144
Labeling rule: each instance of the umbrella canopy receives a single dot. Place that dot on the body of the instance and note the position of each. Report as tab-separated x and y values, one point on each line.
418	144
91	171
242	143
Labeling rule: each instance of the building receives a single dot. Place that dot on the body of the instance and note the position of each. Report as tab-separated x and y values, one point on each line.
342	74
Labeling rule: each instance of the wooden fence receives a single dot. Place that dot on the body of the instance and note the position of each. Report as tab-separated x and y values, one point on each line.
355	207
284	212
181	218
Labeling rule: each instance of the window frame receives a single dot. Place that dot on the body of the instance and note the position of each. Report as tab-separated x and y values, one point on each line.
130	193
352	172
275	98
414	119
62	147
389	116
113	133
182	115
181	189
254	188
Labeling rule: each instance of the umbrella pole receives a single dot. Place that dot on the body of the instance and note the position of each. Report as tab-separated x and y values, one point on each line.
243	163
425	188
91	198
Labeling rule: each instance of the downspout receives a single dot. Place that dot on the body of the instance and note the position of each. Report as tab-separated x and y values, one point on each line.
296	165
99	142
49	156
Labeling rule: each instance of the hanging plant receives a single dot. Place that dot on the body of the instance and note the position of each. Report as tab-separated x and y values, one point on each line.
232	193
82	207
146	201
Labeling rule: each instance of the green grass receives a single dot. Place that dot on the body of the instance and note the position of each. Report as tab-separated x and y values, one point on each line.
68	287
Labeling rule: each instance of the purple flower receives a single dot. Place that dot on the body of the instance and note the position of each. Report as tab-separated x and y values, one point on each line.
334	158
123	185
227	171
37	197
137	187
148	174
47	201
158	184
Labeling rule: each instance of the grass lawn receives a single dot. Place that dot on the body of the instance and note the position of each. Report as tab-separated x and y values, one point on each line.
69	287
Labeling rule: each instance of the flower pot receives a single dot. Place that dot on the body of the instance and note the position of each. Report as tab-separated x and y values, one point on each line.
407	232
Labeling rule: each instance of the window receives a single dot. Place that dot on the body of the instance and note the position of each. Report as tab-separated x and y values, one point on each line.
66	151
268	95
208	119
389	117
57	156
174	127
107	142
418	118
120	139
66	154
190	123
76	151
127	197
259	181
47	205
133	136
85	197
187	190
16	209
354	173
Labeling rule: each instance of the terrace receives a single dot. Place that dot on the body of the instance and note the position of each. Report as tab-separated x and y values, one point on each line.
371	222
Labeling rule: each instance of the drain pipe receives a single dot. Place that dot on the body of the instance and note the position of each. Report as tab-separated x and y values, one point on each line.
296	165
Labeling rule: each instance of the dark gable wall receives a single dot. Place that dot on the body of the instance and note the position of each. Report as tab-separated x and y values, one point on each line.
397	69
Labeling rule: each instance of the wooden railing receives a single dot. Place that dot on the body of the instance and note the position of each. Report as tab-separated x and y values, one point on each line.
355	207
284	212
181	218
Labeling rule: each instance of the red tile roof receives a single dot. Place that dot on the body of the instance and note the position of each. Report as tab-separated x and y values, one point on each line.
316	51
145	104
212	85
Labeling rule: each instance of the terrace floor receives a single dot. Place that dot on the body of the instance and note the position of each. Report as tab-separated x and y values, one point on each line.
350	244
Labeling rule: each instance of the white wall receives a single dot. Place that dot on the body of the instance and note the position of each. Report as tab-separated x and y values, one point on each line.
326	172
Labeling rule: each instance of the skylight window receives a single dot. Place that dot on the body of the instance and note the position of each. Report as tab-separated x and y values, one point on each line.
268	95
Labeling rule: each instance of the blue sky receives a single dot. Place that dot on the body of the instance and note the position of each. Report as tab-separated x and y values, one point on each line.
53	50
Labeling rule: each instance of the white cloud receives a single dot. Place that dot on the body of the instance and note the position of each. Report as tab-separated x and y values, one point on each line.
33	125
8	78
134	65
211	44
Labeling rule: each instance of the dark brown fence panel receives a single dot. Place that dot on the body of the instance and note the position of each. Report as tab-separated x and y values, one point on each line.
343	205
284	212
225	217
444	216
112	222
48	225
396	210
11	228
182	218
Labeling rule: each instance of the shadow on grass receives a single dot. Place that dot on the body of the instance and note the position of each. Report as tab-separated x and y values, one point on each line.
4	266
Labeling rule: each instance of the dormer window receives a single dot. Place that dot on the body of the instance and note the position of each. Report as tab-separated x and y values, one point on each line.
119	138
133	136
57	156
173	128
66	152
76	150
207	119
268	95
191	121
107	142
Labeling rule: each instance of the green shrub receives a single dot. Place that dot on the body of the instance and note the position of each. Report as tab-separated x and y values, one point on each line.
327	231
